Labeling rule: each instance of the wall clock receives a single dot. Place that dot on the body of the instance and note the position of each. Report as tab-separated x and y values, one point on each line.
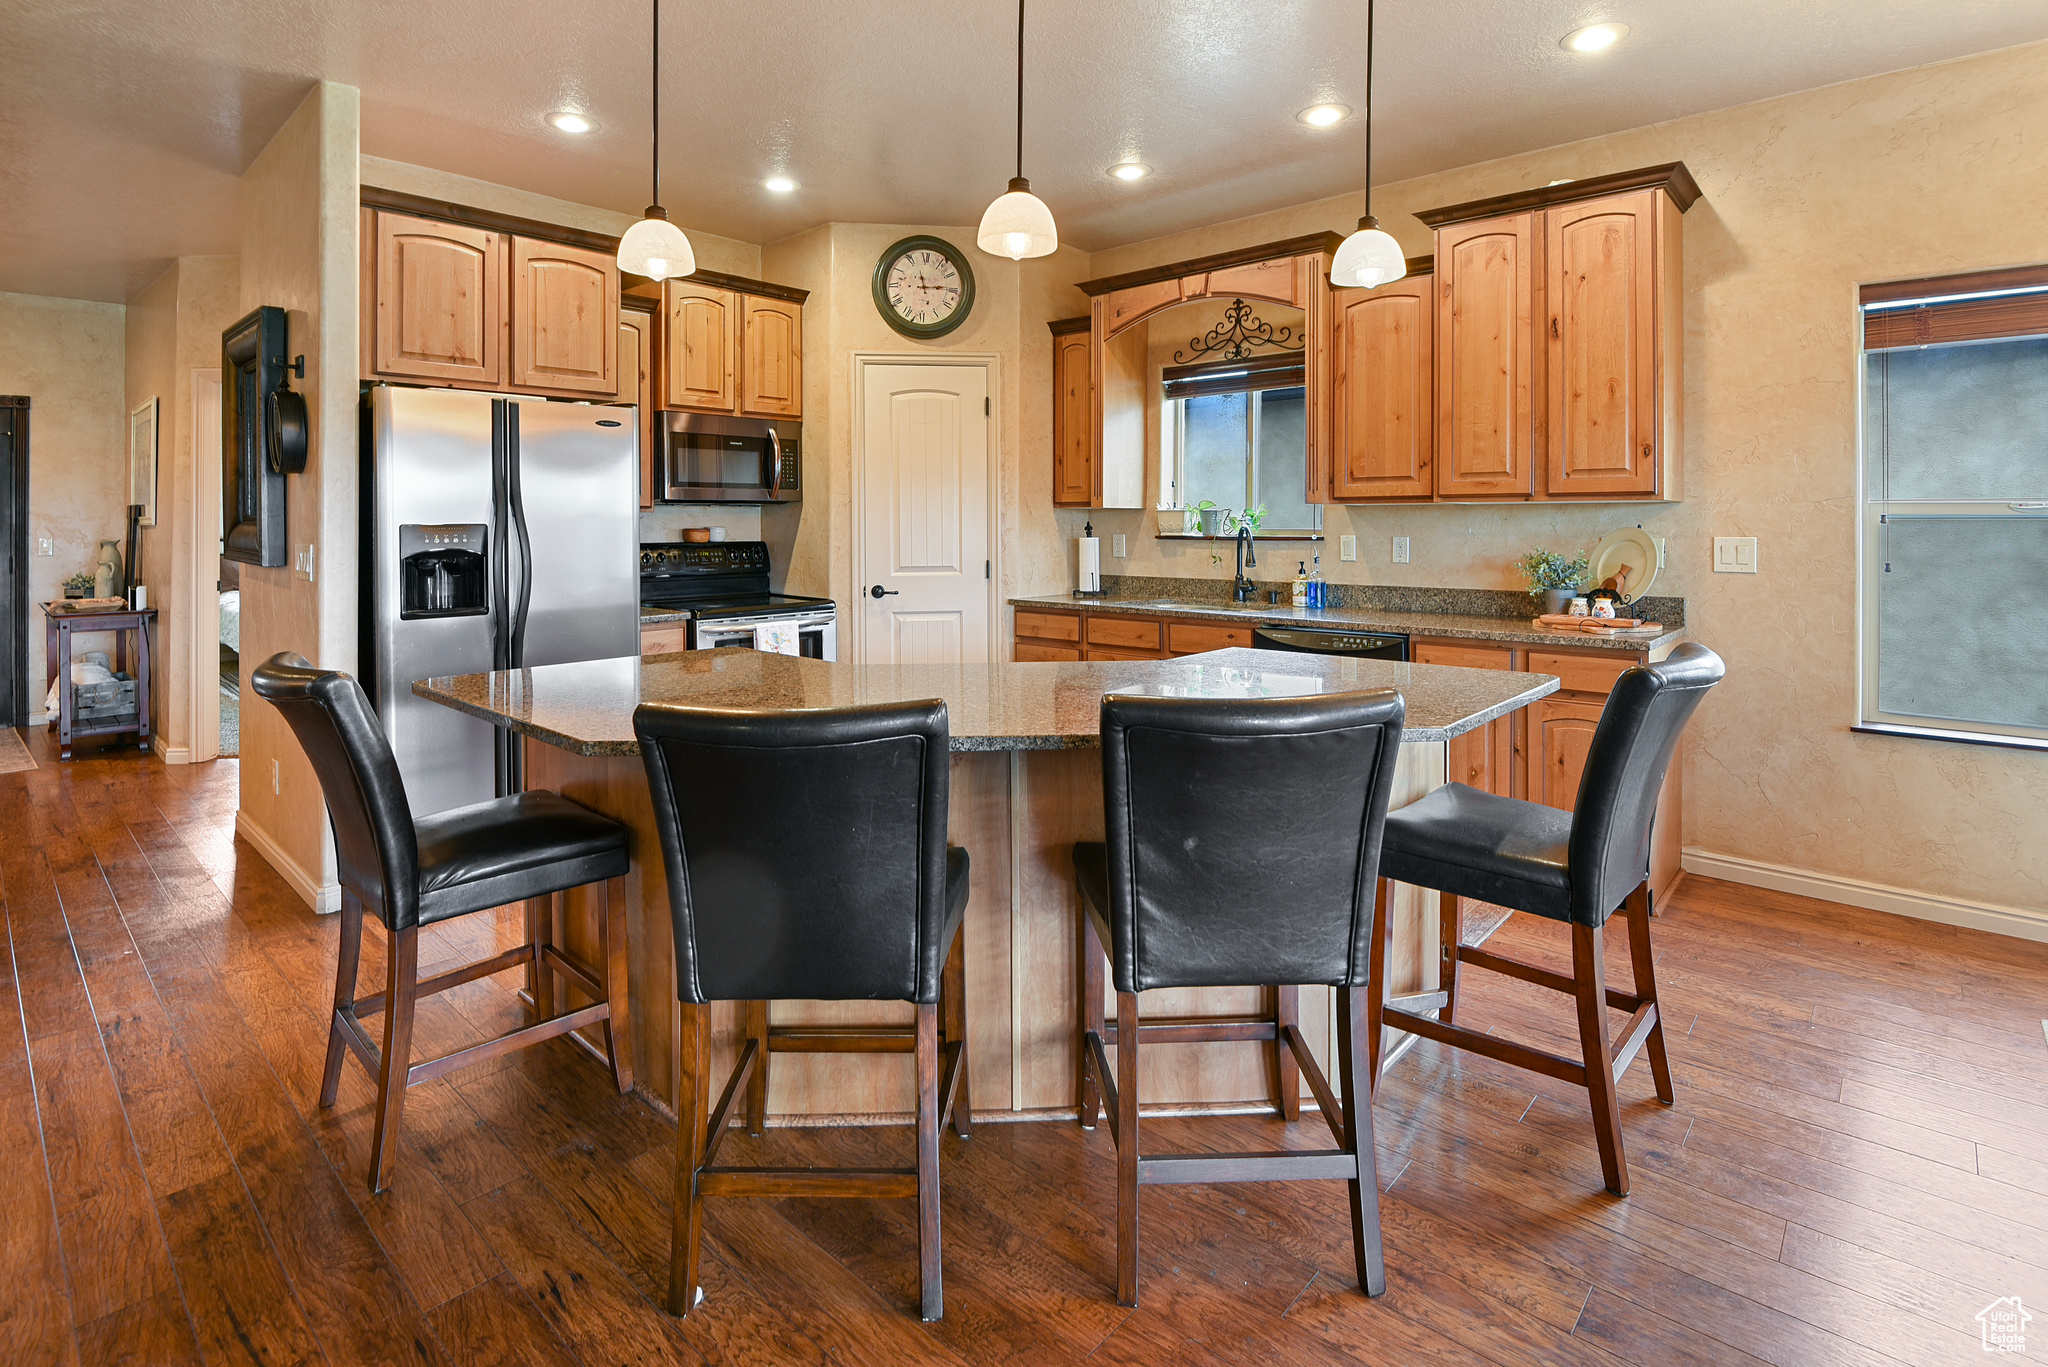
924	287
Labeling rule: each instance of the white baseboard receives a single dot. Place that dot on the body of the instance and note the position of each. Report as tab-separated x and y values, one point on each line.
172	754
2023	922
323	898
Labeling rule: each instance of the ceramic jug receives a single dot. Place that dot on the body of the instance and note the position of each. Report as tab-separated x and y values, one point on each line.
107	580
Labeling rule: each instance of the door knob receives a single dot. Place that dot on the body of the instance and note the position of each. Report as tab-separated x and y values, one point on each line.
879	592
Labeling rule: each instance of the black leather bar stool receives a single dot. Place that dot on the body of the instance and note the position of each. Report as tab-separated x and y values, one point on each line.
523	848
807	859
1187	893
1576	866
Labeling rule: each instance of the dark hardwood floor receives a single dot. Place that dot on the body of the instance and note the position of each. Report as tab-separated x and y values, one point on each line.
1857	1164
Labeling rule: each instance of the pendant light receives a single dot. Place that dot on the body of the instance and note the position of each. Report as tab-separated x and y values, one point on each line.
655	247
1018	224
1368	257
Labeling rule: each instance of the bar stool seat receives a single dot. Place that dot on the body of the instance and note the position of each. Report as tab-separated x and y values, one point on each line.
492	854
1475	844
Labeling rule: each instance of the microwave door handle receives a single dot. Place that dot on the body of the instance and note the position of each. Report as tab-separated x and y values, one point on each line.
774	465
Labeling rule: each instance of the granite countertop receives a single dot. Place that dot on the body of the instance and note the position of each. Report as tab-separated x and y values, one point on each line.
587	707
1518	629
651	616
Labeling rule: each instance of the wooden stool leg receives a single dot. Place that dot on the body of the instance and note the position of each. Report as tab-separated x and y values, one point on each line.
540	933
953	1029
693	1106
1089	988
348	959
618	1039
1127	1148
1451	929
754	1026
1590	978
1376	992
1286	1072
404	955
1637	909
1354	1043
929	1271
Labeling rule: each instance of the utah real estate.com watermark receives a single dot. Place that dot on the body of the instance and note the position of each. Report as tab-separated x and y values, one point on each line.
2005	1325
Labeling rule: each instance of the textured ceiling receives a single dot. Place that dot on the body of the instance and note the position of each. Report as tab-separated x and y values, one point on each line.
124	123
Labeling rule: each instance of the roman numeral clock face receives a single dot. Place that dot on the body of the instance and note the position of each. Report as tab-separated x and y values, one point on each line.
923	287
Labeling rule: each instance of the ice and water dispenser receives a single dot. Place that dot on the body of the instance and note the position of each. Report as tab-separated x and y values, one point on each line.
443	571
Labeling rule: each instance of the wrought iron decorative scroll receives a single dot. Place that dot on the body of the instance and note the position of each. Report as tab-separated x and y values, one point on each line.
1239	335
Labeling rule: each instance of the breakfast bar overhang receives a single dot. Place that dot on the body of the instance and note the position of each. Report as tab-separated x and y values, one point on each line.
1026	784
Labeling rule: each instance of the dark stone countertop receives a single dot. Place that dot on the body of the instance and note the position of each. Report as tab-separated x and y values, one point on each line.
587	707
1518	630
653	616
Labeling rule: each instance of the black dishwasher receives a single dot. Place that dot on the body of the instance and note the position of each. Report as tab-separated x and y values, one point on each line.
1364	645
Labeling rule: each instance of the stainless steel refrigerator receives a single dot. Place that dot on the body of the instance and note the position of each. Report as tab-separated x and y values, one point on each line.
498	533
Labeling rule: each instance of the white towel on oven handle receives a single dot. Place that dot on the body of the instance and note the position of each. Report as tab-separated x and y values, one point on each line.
776	638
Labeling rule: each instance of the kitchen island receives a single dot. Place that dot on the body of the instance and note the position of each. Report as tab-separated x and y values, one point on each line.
1026	784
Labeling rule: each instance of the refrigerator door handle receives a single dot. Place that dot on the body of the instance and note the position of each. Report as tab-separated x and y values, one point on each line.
525	600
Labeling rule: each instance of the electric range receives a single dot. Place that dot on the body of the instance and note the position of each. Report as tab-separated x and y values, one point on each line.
722	587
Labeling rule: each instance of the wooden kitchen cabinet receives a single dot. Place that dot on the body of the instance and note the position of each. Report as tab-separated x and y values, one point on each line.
664	638
702	331
1385	415
1192	638
1486	386
1074	482
1483	758
772	360
1140	636
636	386
565	319
1561	733
435	297
1039	651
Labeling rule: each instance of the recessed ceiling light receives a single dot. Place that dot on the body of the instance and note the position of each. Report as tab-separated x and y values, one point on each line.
1130	170
1324	115
781	185
1593	37
569	121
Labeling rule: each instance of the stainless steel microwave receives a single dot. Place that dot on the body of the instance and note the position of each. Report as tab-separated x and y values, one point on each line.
715	458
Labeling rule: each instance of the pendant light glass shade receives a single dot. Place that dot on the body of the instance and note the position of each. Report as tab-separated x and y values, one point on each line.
1368	258
656	248
1018	225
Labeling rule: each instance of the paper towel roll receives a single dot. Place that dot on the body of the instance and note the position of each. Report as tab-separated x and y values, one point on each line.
1088	564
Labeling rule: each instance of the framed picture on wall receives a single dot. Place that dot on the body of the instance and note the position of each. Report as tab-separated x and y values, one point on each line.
142	461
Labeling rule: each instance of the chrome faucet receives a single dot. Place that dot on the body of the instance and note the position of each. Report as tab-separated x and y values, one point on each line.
1241	588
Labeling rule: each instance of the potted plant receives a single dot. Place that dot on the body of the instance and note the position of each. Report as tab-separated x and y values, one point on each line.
1211	516
78	586
1175	520
1249	519
1552	577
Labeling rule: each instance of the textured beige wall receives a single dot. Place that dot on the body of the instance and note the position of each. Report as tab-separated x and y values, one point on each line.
66	356
1943	168
299	227
714	253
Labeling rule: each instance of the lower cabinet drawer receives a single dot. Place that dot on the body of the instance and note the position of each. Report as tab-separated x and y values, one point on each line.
665	638
1465	656
1096	652
1049	626
1582	673
1191	638
1028	651
1125	633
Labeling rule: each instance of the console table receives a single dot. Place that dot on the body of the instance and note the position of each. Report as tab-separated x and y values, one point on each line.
58	628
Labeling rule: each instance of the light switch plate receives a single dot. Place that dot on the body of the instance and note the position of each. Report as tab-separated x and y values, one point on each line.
1400	550
302	562
1347	548
46	545
1116	546
1734	555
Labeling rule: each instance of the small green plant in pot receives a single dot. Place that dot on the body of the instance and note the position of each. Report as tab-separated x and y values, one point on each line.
1210	515
1552	577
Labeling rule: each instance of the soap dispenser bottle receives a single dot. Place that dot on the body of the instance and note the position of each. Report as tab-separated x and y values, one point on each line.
1318	591
1301	584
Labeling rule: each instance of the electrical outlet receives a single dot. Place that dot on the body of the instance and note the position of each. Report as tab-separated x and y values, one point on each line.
1116	546
46	545
1347	548
302	563
1400	550
275	784
1734	555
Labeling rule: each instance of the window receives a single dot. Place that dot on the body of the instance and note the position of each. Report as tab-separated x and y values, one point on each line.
1237	436
1954	523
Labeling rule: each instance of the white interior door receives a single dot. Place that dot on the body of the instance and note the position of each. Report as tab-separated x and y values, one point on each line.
924	514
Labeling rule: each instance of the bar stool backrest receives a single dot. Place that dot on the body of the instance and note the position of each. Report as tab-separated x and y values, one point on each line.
375	844
1244	836
1631	748
806	851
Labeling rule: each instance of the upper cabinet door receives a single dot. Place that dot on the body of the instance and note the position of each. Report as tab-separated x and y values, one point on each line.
1600	362
565	318
636	352
1385	373
1073	469
440	301
772	376
703	347
1485	357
